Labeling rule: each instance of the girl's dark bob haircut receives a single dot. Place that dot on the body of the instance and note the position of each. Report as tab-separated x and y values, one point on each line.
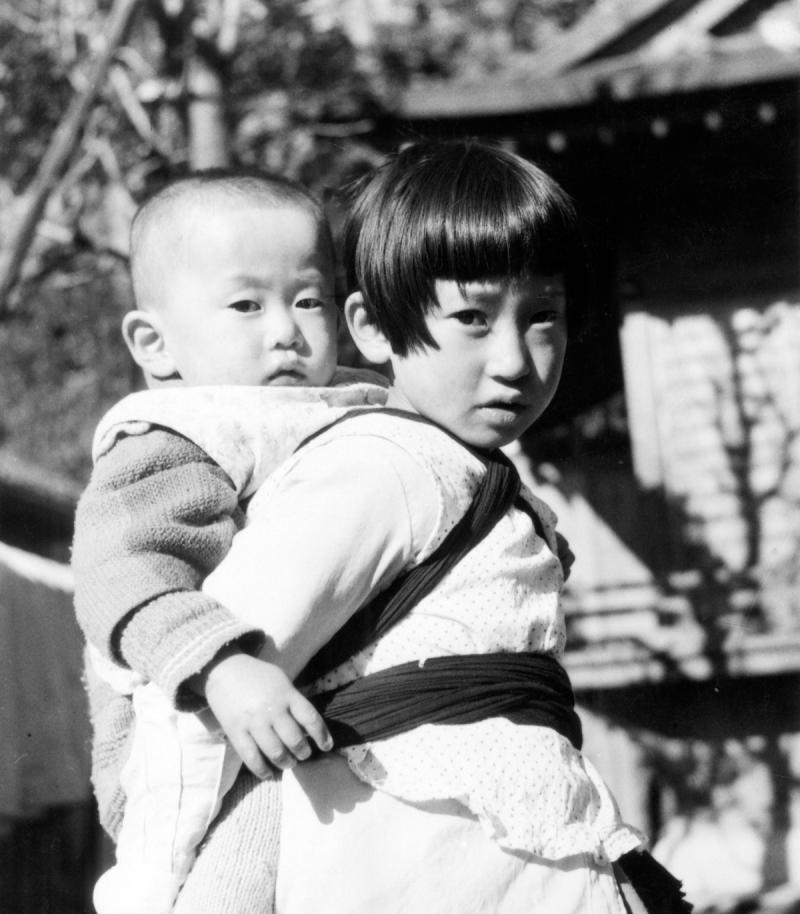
459	210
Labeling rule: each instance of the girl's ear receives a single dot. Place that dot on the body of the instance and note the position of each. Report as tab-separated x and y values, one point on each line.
371	342
144	337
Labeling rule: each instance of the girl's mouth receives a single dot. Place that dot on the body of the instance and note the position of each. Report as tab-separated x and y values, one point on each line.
509	406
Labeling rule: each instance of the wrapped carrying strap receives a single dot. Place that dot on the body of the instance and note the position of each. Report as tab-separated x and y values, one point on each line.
498	491
529	688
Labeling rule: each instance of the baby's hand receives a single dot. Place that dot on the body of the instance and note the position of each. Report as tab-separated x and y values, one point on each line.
262	713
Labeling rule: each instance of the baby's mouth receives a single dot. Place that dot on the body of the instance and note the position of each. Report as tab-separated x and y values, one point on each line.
285	376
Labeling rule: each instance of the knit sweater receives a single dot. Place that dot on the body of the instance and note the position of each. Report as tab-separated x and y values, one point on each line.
156	519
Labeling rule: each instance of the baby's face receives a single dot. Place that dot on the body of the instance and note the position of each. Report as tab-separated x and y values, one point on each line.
248	298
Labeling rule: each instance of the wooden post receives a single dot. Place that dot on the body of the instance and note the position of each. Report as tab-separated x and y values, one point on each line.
208	132
207	83
62	145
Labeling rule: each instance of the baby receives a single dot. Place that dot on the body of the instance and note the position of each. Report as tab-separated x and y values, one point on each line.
233	277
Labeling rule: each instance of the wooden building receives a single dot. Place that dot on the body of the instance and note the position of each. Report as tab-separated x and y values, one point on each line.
675	124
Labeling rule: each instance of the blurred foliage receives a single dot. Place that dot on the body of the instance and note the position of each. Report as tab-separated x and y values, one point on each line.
29	116
303	84
66	363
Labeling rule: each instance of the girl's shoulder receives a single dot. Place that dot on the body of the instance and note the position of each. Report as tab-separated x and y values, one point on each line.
388	441
443	456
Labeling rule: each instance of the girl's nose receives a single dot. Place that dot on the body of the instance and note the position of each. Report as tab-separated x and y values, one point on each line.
510	358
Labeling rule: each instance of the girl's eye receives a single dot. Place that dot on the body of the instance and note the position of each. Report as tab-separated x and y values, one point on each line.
550	316
245	306
309	303
471	318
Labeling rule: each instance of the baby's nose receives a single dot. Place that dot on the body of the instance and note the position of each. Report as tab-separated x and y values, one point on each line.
281	329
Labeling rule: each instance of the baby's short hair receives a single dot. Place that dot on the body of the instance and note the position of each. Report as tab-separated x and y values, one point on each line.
157	215
459	210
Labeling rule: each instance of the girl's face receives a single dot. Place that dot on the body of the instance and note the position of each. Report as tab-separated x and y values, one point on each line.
501	348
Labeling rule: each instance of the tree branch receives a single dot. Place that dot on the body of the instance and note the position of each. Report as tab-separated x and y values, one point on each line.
62	145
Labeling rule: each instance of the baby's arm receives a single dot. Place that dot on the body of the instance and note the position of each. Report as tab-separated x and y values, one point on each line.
157	516
346	519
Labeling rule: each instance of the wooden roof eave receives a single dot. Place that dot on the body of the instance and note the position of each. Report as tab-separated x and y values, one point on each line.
726	64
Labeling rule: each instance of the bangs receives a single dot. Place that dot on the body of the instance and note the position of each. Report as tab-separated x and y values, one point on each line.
493	222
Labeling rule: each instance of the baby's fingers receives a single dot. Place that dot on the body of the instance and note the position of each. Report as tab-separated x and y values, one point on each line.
311	721
293	737
273	746
251	756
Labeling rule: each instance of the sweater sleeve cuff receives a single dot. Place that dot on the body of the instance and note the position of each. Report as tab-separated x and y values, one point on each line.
175	636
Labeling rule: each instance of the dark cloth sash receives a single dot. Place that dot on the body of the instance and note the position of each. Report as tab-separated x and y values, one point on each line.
525	688
658	890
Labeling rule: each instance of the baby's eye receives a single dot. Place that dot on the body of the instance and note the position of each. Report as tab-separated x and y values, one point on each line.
245	306
309	303
470	317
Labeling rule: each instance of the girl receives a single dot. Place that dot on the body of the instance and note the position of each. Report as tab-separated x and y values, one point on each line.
465	262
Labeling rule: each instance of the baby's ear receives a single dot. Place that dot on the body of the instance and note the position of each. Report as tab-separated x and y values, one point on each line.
369	339
144	337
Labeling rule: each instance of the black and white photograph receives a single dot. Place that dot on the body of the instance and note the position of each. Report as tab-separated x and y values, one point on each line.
399	456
